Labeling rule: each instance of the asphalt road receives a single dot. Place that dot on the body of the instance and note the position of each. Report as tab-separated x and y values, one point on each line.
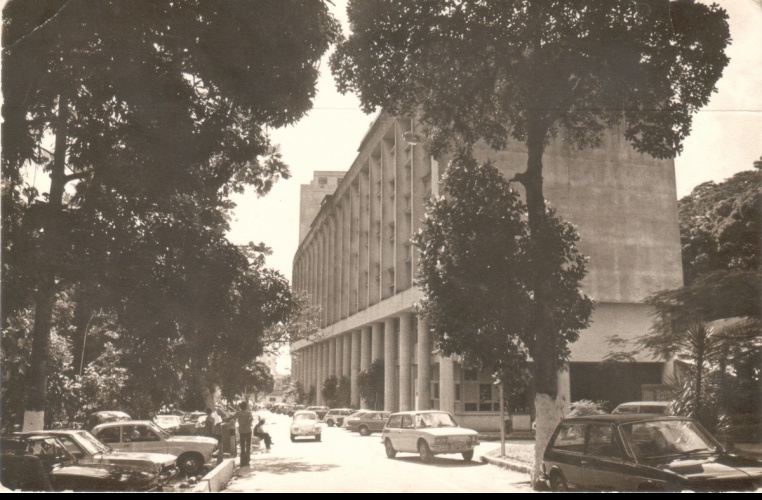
345	462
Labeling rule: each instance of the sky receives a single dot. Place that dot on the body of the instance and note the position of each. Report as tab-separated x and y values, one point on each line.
726	138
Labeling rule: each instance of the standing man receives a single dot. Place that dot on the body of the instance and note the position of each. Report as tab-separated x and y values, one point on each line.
245	419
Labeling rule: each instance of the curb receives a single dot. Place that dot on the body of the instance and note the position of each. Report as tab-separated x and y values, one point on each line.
506	463
216	480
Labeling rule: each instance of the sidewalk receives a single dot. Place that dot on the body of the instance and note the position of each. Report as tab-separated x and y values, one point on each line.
519	454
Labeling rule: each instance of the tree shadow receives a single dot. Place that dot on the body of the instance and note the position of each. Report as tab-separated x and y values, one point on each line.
439	461
281	466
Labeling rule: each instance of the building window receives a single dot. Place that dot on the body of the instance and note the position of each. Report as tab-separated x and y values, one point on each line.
457	392
435	392
322	182
470	375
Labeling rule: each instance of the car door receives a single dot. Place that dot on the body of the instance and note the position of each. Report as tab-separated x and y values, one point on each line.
141	438
603	463
408	434
392	430
566	453
377	421
112	437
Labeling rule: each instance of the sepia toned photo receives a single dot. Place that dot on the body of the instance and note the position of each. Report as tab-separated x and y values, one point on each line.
458	246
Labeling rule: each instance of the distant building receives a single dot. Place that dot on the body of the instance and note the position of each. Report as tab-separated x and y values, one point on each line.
356	261
312	195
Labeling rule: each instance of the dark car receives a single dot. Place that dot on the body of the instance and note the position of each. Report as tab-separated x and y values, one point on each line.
638	452
41	463
86	448
367	422
320	410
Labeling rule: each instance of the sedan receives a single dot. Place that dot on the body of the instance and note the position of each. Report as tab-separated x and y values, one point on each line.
306	424
87	449
368	422
170	423
41	463
428	433
624	452
192	452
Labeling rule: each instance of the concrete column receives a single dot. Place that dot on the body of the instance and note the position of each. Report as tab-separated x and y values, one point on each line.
355	369
308	368
390	365
339	355
332	357
320	374
405	354
424	364
447	385
326	359
346	355
365	348
377	342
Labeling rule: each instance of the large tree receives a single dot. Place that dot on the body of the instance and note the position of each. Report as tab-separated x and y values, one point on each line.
527	70
721	225
138	101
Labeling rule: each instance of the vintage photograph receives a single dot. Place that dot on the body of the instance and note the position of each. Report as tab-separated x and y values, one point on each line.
378	246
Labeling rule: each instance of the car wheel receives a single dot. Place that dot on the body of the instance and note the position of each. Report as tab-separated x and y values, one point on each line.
317	437
364	431
190	463
330	423
468	455
558	483
390	451
293	438
425	452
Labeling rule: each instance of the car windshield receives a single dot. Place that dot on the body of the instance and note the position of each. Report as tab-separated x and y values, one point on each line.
434	420
305	416
158	430
166	420
662	438
90	443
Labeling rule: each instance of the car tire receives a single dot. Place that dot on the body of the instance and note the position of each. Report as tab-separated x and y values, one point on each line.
390	451
190	463
425	452
468	455
293	438
363	430
558	483
330	423
317	437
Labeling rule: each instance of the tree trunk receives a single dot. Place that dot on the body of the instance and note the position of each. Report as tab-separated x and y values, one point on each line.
37	377
549	410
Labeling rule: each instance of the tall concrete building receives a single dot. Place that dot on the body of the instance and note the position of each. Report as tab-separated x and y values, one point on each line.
356	261
312	196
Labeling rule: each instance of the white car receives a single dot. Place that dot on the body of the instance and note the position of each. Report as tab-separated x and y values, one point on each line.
169	423
306	424
192	452
427	433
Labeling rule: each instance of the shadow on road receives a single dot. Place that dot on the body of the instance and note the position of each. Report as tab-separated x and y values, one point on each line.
281	466
440	462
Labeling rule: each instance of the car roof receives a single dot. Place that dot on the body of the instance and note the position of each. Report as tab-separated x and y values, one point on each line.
649	403
305	412
122	423
619	418
419	412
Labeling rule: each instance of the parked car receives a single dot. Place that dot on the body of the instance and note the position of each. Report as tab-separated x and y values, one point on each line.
101	417
627	452
428	433
368	422
655	407
351	418
192	452
170	423
320	410
306	424
87	449
41	463
335	416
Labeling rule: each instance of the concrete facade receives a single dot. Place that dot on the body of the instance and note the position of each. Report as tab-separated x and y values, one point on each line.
357	263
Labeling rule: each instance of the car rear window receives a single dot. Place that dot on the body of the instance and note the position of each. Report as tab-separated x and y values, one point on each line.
570	437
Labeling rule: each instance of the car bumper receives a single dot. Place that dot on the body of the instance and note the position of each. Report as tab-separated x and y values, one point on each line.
452	447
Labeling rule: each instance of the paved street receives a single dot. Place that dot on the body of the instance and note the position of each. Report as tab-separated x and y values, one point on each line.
346	462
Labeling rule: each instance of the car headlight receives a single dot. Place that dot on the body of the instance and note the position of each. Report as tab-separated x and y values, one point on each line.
440	440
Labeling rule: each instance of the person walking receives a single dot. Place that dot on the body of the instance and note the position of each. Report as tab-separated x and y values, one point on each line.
245	419
261	434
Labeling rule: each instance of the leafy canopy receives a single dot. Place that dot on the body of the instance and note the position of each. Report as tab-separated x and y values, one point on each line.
476	266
